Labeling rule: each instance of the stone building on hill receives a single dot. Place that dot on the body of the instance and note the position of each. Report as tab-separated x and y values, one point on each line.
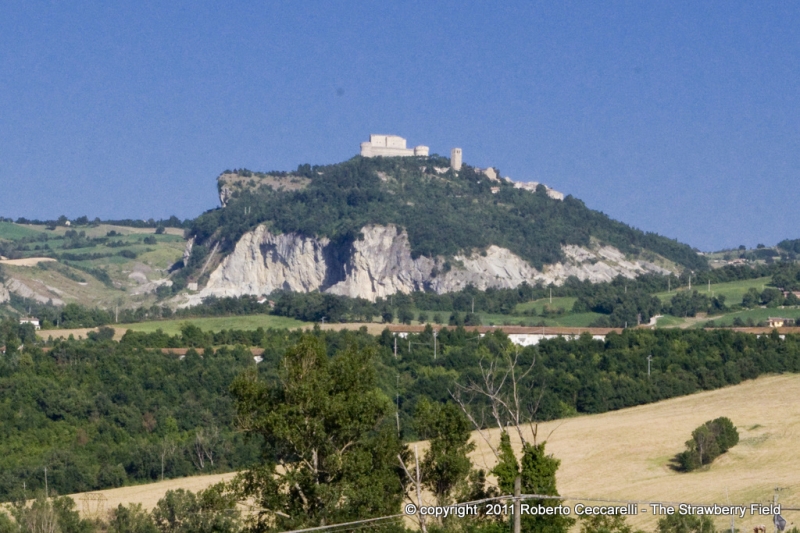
390	146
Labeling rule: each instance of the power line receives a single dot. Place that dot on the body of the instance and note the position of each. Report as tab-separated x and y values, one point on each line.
345	524
521	498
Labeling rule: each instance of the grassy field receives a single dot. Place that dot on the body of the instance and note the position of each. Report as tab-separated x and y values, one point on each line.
733	291
577	320
669	322
757	315
625	454
563	302
12	232
247	322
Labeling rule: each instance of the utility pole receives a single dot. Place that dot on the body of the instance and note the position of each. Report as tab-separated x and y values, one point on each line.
395	346
419	492
434	344
669	285
473	305
649	358
690	281
397	409
551	296
517	506
46	491
709	285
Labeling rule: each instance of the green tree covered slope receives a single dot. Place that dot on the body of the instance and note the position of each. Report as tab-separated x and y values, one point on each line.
444	212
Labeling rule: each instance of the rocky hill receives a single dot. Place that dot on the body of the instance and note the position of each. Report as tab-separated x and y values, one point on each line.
372	227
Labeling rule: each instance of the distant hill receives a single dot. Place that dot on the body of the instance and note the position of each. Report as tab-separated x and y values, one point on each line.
444	213
332	227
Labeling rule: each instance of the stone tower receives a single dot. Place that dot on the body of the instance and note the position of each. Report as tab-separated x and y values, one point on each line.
455	159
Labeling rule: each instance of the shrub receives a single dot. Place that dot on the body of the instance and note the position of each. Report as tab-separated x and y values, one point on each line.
708	442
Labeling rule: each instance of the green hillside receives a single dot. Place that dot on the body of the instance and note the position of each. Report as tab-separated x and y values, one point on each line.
444	213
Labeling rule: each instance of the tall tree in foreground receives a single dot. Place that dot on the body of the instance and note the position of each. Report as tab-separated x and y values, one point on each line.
330	456
445	466
502	377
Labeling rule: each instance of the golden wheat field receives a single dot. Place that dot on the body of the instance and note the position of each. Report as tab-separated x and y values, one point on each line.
625	454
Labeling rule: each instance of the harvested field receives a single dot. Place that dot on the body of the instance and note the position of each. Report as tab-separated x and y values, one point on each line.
27	262
625	454
148	495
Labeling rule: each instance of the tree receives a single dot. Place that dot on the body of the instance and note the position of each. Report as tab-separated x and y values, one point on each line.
606	524
405	315
685	523
131	519
500	383
327	425
209	511
445	466
708	442
49	515
751	298
537	473
6	524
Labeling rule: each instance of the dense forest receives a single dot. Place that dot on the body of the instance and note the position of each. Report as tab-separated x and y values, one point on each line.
99	413
444	214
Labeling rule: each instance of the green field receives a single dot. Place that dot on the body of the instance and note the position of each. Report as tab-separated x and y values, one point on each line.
669	321
247	322
733	291
577	320
757	315
12	232
564	302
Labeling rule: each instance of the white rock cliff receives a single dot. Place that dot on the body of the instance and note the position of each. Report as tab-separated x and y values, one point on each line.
381	264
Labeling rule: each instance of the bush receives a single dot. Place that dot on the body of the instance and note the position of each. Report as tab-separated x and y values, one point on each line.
708	442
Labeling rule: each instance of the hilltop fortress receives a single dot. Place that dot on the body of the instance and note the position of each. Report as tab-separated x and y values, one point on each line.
395	146
390	146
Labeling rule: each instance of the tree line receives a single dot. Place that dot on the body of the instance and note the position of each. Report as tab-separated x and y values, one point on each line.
147	414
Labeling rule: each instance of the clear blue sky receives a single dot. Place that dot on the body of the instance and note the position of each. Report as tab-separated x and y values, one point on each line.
675	117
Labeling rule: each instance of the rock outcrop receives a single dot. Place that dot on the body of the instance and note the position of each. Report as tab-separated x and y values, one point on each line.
380	264
20	289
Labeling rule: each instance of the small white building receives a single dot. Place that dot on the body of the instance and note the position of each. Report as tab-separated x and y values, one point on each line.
29	320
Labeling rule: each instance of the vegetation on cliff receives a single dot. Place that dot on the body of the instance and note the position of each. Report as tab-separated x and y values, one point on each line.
444	213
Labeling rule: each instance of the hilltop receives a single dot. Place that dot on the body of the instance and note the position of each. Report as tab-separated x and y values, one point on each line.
371	227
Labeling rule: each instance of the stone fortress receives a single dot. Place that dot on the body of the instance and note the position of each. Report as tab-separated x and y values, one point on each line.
395	146
390	146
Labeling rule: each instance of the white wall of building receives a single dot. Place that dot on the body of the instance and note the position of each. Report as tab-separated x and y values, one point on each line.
390	146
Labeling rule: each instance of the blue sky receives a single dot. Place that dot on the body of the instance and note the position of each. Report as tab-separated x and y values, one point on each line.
675	117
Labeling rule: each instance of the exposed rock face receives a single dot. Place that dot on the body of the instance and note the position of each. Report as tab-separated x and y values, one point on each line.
381	264
4	294
17	287
263	263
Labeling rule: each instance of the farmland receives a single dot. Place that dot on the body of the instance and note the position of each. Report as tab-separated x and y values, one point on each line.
625	454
